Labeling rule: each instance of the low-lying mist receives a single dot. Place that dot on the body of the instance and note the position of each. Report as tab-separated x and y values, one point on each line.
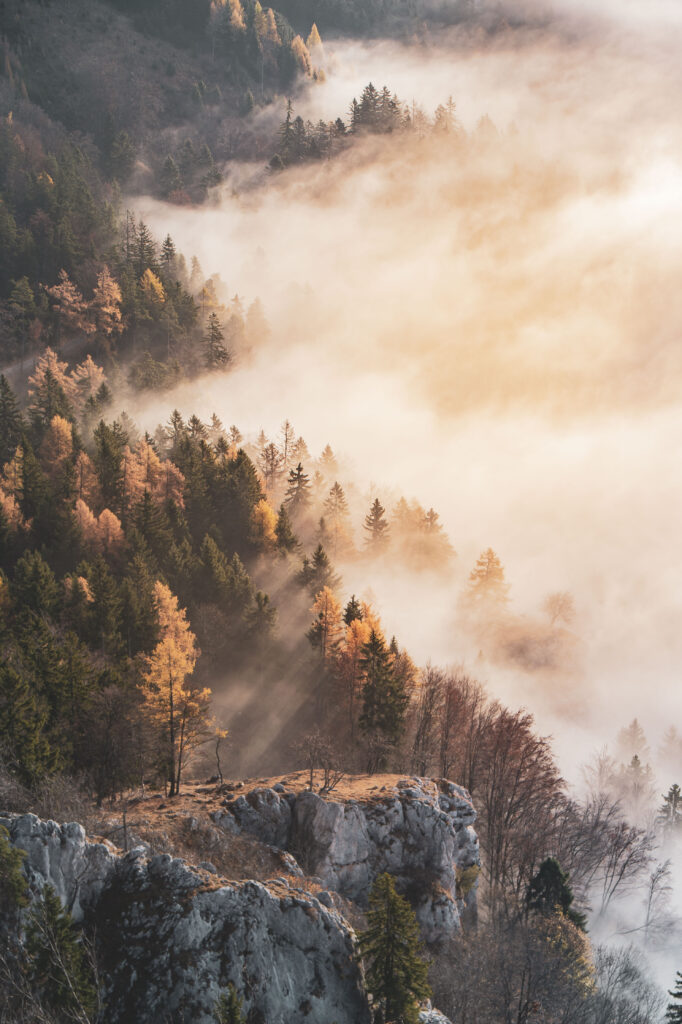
490	326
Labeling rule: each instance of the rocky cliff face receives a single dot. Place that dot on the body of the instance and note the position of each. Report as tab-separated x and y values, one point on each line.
418	830
172	937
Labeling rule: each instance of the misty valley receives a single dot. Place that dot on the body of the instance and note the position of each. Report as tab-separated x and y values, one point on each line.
339	512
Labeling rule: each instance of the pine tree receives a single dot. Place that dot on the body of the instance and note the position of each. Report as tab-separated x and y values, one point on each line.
377	528
550	893
57	961
674	1011
397	972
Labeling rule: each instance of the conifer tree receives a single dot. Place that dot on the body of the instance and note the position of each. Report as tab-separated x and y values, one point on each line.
271	464
168	254
144	250
377	528
260	618
352	611
182	712
670	814
397	971
674	1011
318	572
170	179
34	587
297	498
13	885
384	699
11	422
336	511
106	304
487	585
287	540
22	726
49	400
229	1009
71	308
325	632
214	343
57	961
550	893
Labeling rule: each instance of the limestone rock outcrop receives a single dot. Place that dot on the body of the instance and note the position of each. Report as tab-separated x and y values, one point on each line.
171	937
418	830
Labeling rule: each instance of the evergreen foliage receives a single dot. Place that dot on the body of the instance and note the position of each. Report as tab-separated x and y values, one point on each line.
384	696
674	1009
397	971
549	893
230	1008
377	528
13	884
57	960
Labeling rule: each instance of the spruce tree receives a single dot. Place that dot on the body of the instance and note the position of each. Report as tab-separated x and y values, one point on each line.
286	538
297	497
168	254
318	572
35	587
376	527
352	611
214	343
397	971
22	725
550	893
170	179
13	885
384	698
670	814
57	961
11	423
674	1012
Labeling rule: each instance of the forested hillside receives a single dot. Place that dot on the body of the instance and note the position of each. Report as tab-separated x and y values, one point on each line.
175	611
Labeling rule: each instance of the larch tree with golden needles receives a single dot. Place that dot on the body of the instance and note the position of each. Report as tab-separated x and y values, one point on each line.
70	307
181	711
106	304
